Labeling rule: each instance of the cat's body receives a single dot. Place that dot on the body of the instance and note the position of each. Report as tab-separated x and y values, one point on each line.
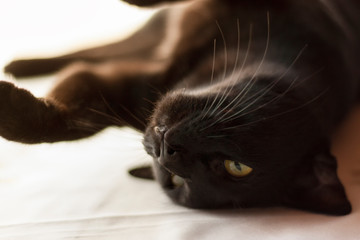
257	87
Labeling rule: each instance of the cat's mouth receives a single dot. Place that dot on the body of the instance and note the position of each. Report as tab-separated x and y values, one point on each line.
176	180
173	181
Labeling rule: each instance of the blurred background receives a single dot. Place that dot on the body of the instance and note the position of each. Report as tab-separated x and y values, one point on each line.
39	28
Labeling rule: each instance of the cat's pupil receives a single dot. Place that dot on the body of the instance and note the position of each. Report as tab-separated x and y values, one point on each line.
238	166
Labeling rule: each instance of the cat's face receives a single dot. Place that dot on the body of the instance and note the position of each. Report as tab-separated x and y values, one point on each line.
225	147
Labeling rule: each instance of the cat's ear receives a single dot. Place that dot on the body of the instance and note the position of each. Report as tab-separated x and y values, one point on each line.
145	3
144	172
317	188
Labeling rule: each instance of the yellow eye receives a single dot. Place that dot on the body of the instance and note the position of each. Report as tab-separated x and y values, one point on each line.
237	169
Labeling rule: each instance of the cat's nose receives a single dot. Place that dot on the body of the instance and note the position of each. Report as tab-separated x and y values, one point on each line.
169	157
165	150
172	161
167	153
160	130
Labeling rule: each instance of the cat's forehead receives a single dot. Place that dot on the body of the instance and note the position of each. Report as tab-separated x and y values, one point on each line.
193	99
198	106
188	115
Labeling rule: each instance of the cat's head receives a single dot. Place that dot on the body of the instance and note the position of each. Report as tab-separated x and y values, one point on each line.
242	145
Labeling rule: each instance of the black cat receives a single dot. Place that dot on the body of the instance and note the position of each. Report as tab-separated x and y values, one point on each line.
237	99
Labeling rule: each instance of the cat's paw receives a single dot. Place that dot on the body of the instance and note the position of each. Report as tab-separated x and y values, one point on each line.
17	110
19	68
33	67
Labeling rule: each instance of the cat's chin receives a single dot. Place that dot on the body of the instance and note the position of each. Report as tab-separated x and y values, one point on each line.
172	181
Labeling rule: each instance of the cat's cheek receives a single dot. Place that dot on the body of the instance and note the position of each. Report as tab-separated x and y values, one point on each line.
217	167
318	188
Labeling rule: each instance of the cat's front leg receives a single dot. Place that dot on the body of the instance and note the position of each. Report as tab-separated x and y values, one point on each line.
24	118
87	99
27	119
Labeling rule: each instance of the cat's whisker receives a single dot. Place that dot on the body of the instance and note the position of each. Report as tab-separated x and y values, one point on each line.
211	80
86	126
154	89
295	60
238	114
114	120
225	49
247	50
213	63
125	109
245	58
232	79
241	69
264	91
237	49
266	47
282	113
249	84
147	111
110	108
225	68
134	116
117	121
149	101
252	80
294	84
222	98
260	94
309	76
212	103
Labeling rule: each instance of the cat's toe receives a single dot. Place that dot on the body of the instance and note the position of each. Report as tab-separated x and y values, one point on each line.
16	111
12	97
18	68
6	90
32	67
